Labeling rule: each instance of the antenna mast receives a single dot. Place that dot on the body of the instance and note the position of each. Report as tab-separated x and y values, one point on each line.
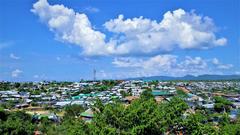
94	74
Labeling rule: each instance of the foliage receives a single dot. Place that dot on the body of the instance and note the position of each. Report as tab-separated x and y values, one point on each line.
143	116
222	104
180	93
231	128
15	123
146	94
196	124
73	110
8	104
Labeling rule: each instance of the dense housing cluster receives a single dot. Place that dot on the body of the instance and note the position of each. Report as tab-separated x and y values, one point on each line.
87	101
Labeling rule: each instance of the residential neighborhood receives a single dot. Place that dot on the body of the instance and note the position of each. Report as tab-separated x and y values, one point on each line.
36	96
119	67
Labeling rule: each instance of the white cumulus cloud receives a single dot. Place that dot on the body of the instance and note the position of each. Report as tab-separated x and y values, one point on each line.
13	56
196	63
220	65
177	29
70	26
92	9
160	61
168	65
16	73
40	77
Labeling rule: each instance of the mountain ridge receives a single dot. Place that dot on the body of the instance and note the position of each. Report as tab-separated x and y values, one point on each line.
189	77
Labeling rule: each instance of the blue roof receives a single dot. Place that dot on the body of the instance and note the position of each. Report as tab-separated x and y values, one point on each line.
161	93
191	95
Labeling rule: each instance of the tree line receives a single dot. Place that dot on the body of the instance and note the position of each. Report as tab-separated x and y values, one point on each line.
144	116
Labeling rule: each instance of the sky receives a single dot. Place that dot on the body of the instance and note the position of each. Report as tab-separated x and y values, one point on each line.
65	40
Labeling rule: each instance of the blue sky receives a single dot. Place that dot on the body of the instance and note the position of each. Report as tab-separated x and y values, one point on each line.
67	39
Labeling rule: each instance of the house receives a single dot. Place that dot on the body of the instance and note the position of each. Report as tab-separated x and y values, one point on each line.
62	103
87	115
53	117
208	106
129	99
162	93
236	105
22	105
234	113
159	99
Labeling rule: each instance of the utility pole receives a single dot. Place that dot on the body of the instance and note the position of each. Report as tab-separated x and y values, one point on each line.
94	74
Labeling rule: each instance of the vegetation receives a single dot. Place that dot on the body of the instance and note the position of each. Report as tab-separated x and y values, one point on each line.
73	111
222	104
142	116
15	123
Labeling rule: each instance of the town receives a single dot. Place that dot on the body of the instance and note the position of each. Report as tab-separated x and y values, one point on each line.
50	98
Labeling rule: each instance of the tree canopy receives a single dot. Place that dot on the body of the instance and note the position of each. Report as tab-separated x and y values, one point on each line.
143	116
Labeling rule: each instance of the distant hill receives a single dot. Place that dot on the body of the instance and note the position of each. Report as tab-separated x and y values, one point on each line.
189	77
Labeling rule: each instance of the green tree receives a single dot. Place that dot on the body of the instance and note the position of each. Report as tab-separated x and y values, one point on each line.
222	104
16	123
73	110
146	94
196	124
